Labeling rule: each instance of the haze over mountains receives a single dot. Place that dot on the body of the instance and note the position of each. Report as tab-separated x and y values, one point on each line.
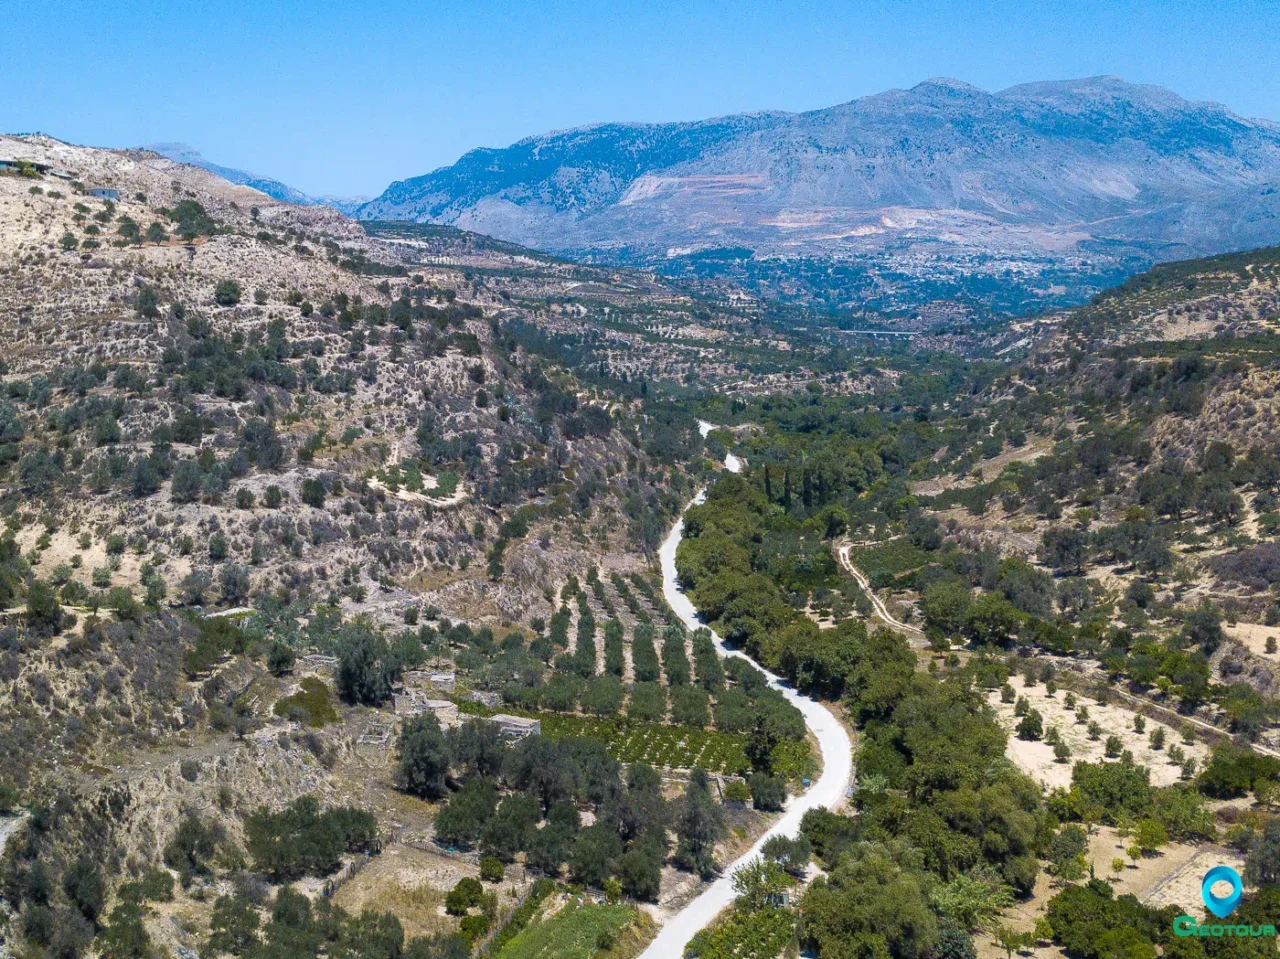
1033	197
183	153
1037	194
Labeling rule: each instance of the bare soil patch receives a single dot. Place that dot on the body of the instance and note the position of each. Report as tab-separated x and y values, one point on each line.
1036	758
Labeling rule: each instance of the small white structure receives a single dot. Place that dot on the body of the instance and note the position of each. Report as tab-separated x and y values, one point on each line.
378	734
444	682
412	702
516	727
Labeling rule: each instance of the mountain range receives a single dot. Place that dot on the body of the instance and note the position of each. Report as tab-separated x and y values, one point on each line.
1040	192
1035	196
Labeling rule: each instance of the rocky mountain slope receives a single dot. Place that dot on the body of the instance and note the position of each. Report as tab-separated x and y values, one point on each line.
186	351
1049	190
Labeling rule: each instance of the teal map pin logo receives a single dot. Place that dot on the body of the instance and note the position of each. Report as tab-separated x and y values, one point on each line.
1221	906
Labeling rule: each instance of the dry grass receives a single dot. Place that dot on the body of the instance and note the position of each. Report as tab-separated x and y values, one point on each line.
1036	758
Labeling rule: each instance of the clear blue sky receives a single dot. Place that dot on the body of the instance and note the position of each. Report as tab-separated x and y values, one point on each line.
344	96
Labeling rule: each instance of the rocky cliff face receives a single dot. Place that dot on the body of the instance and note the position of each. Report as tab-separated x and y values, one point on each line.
1078	175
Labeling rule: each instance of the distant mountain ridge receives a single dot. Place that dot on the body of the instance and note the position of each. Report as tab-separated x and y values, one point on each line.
1056	188
182	153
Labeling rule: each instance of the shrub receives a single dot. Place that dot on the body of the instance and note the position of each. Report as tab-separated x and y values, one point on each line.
465	895
312	493
473	928
1031	726
147	302
280	658
311	704
84	886
491	869
9	799
193	844
227	293
217	547
768	793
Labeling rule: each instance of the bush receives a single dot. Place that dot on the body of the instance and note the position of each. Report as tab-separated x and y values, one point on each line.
83	884
147	302
217	547
491	869
280	658
768	793
473	928
9	799
193	844
44	611
227	293
234	580
310	705
1031	726
312	493
154	885
465	895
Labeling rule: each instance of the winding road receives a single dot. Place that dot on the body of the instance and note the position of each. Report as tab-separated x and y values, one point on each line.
828	791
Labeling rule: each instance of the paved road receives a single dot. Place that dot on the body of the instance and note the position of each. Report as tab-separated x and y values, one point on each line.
830	789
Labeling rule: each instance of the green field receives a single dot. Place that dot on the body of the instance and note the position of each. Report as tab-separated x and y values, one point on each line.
894	557
745	934
576	932
671	746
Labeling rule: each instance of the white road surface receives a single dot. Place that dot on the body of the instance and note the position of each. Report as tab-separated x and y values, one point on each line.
828	792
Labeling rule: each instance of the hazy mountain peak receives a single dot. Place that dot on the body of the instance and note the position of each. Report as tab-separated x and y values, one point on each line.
185	153
178	152
947	85
1106	89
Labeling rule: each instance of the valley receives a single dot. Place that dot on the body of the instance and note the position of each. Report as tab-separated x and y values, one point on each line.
377	588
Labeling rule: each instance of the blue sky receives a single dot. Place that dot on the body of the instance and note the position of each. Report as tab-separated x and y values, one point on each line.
344	97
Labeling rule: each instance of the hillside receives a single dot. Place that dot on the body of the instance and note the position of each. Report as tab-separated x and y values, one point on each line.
1043	585
1035	195
281	492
